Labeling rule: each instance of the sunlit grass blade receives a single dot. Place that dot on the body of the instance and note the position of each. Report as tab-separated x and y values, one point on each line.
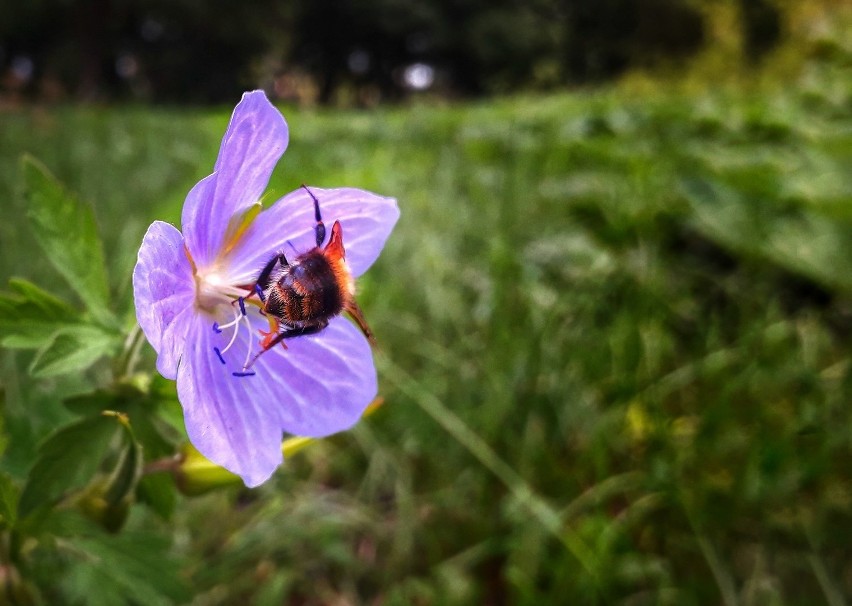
525	496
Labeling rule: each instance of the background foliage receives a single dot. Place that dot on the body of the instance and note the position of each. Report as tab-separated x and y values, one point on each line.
614	331
183	50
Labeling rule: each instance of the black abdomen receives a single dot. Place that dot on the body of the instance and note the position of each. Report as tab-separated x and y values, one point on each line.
307	292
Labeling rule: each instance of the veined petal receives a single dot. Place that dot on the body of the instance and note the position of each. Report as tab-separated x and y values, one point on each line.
321	383
228	419
256	137
199	221
288	226
164	290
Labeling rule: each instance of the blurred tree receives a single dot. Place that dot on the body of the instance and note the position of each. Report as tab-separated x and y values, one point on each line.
183	50
761	24
503	45
192	51
361	42
488	46
604	38
168	50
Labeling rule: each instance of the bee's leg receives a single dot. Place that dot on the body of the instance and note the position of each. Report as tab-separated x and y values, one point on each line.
270	338
289	333
263	278
356	314
262	282
320	226
270	341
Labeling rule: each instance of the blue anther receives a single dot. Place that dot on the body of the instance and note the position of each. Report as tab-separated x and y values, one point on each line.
242	305
259	292
216	328
249	373
219	353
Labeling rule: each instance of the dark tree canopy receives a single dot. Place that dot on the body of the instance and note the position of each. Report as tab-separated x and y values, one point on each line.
189	51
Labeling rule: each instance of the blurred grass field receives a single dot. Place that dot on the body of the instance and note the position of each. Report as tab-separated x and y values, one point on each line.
615	333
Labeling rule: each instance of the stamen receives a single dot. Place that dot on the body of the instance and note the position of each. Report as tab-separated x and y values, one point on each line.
240	317
229	324
236	319
236	326
219	353
259	292
250	345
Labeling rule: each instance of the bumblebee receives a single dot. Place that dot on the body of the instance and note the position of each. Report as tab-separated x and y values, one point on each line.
299	297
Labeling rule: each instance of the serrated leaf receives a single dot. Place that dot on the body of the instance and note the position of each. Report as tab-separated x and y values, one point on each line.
29	316
9	494
66	231
142	408
46	303
67	460
72	349
157	490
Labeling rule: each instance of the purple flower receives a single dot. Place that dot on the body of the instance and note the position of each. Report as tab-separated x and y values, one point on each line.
192	292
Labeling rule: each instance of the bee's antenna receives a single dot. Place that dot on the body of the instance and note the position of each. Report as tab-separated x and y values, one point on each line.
320	227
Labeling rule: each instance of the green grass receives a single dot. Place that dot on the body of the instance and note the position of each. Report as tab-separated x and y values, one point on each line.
614	342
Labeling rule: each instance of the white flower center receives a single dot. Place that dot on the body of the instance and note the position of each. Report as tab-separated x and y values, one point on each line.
221	300
213	290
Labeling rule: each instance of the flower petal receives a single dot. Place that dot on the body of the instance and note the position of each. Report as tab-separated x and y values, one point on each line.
288	226
164	290
228	419
256	137
321	383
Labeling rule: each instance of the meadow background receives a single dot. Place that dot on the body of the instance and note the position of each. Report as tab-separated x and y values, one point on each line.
614	326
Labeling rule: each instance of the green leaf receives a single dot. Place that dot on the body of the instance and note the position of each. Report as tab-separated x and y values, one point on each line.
159	493
30	316
129	568
122	482
72	349
48	304
68	459
66	231
9	494
107	501
801	242
151	436
143	408
93	403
